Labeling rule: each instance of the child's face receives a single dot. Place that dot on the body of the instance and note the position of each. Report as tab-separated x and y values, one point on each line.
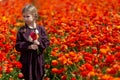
28	18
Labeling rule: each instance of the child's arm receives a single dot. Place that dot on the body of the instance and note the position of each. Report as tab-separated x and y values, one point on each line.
44	42
21	45
33	47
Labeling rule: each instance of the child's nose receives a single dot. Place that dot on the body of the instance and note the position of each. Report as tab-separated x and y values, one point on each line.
25	18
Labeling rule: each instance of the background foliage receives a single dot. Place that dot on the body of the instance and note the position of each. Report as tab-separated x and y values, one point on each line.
84	38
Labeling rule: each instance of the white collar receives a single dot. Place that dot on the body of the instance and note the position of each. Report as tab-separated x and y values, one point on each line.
32	27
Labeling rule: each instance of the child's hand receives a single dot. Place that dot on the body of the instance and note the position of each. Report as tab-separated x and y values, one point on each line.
36	42
33	47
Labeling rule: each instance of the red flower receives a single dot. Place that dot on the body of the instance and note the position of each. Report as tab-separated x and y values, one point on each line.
73	78
1	57
54	70
20	75
84	73
61	70
33	35
117	56
85	69
111	71
46	78
47	66
18	64
54	63
89	67
110	59
64	77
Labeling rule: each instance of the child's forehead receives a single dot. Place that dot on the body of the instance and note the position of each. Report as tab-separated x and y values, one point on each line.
27	13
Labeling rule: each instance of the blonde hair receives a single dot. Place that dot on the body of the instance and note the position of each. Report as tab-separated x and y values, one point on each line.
30	9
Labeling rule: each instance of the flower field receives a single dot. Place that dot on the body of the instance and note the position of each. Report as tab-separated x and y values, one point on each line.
84	38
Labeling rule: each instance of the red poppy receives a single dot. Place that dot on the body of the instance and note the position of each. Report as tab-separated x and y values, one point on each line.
54	63
54	70
18	64
64	77
73	78
110	59
33	35
20	75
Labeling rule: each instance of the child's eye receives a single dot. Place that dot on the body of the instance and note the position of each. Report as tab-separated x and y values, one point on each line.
26	16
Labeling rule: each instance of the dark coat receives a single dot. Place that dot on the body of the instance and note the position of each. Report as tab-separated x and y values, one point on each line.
32	63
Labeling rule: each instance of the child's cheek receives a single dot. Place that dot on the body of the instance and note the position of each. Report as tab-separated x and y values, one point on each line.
30	18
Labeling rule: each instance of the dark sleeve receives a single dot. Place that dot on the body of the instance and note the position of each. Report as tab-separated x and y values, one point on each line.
44	42
21	45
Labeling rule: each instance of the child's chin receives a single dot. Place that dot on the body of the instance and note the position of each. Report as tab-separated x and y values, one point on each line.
27	23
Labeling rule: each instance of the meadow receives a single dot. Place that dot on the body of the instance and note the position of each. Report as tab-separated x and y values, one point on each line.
84	38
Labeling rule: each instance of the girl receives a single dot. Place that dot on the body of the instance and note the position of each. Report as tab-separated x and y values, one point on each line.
31	42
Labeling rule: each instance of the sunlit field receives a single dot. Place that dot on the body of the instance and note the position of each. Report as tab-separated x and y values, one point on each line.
84	38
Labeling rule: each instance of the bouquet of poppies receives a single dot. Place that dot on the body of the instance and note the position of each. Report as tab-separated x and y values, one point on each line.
33	37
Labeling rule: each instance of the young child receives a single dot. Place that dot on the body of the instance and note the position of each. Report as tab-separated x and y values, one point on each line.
31	42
